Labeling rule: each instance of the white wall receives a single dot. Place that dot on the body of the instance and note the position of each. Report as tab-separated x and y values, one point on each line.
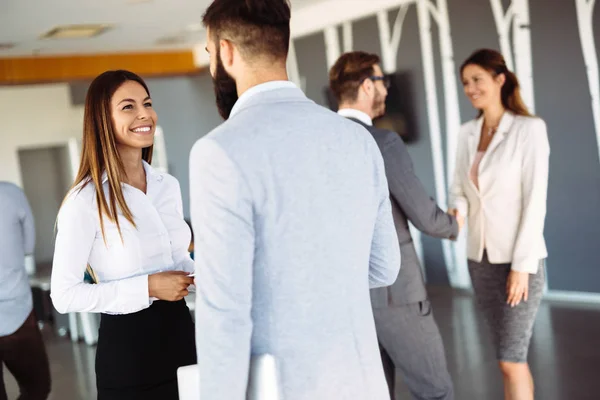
32	116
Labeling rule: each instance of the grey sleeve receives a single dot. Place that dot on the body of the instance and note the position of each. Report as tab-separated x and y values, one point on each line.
27	224
384	262
222	218
408	191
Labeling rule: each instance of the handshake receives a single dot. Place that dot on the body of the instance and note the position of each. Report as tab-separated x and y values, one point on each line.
459	218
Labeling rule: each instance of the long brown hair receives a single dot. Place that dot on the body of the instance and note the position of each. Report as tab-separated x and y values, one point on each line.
493	62
99	153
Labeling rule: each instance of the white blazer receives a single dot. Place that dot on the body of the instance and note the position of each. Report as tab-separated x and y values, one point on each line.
506	214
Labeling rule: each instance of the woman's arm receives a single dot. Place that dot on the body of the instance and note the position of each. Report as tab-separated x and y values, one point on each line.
534	184
74	240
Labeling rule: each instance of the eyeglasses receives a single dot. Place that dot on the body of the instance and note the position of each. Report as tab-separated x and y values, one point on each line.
384	79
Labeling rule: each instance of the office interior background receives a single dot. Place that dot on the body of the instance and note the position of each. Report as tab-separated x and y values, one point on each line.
550	44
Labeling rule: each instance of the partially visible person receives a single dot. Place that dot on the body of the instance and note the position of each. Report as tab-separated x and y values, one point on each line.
500	184
22	348
407	332
292	224
191	246
122	224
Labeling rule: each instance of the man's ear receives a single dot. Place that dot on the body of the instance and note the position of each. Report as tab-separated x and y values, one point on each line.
227	50
366	87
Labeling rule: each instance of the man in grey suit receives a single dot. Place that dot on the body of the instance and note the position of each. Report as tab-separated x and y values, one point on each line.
408	335
292	224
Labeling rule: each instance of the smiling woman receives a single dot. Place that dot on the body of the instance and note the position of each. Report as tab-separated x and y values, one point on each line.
133	117
500	183
122	222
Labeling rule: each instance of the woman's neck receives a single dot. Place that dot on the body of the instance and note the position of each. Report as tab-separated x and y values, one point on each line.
135	175
492	116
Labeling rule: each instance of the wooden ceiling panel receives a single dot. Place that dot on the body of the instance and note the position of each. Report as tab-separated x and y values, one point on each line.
28	70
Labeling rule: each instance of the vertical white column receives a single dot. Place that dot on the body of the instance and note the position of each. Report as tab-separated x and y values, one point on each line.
433	114
585	11
459	272
518	54
292	67
332	45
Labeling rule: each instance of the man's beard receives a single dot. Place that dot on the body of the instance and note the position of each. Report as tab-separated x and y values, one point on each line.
378	107
225	89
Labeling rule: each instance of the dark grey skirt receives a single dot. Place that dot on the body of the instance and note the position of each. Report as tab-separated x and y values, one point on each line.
511	328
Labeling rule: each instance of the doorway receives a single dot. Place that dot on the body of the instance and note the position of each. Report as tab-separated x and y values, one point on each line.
47	175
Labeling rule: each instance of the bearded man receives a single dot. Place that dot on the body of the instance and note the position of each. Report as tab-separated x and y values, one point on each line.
292	224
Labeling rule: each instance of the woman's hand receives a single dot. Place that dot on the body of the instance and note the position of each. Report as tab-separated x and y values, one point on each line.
169	286
517	287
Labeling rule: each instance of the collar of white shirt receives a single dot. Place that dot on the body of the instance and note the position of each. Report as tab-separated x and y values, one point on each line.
263	87
356	114
151	173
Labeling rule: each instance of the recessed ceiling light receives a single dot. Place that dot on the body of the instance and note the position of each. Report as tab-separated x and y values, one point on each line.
170	40
196	27
75	31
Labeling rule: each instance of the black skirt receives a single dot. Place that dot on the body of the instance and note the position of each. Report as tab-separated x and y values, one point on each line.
138	354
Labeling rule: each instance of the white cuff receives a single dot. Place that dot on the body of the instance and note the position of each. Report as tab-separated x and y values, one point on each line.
136	296
529	265
462	206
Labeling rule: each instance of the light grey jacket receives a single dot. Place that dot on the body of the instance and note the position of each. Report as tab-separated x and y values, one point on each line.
292	221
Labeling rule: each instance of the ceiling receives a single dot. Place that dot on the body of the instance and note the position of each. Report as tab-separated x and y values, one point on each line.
138	25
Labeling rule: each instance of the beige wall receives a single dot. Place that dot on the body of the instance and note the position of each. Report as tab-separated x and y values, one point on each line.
34	116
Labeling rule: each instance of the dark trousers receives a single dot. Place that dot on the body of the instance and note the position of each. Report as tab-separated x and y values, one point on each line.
410	340
25	357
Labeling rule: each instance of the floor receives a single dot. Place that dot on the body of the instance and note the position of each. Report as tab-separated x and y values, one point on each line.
564	354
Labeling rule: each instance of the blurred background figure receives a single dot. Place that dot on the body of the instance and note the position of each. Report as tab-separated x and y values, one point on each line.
408	335
22	348
500	183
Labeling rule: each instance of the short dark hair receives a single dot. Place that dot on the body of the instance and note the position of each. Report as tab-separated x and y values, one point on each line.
257	27
349	72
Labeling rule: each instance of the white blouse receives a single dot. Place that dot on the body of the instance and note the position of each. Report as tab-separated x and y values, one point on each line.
159	243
